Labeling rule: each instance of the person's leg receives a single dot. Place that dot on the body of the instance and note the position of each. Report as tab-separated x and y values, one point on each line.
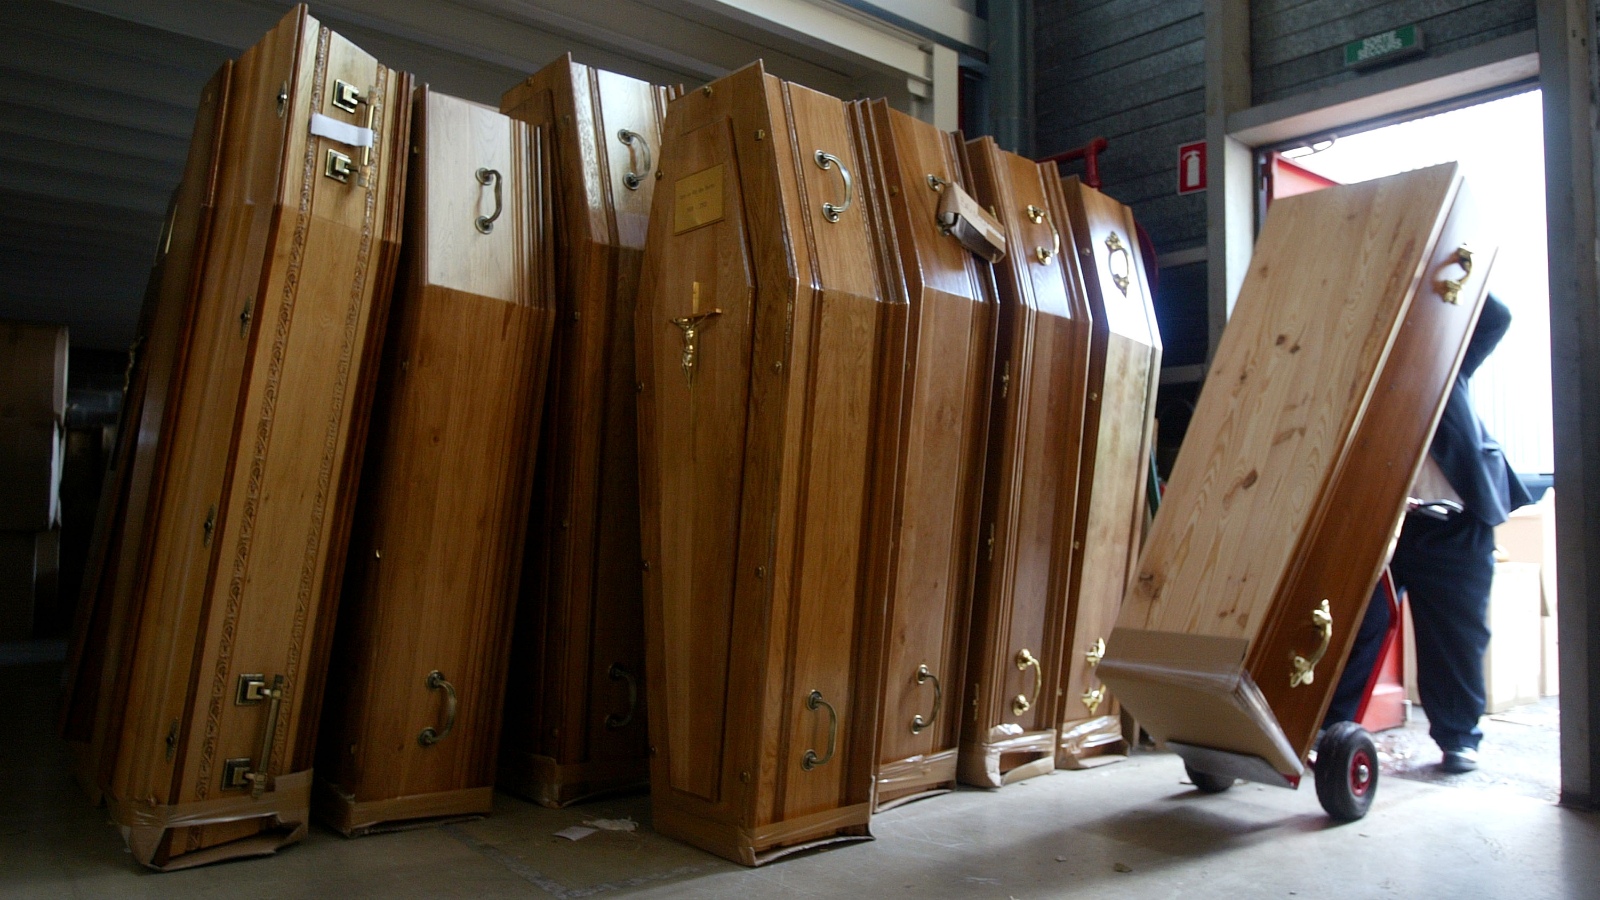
1363	657
1447	569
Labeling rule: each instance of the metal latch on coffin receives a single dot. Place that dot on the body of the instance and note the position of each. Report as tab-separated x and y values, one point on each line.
345	96
962	218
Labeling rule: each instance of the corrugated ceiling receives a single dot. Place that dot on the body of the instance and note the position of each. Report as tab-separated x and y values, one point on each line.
97	99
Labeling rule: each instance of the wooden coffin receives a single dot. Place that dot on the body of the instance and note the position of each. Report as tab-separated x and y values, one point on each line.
417	679
575	708
1314	420
758	333
1024	564
938	358
1118	424
93	687
226	639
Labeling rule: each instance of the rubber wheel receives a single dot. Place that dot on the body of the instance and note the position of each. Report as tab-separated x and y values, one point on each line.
1207	782
1346	771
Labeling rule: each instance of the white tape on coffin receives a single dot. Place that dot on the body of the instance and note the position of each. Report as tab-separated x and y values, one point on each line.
342	132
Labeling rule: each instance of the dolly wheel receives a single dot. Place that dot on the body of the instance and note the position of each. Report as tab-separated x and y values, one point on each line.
1346	771
1207	782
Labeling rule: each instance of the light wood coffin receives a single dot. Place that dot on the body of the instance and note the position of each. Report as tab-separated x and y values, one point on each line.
934	415
575	705
93	686
1314	420
417	678
1118	422
226	639
1024	570
758	329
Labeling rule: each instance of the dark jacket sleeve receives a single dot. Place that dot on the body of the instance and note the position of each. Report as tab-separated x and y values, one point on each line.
1468	456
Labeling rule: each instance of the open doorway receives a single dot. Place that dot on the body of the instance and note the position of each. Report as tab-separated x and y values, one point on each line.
1499	146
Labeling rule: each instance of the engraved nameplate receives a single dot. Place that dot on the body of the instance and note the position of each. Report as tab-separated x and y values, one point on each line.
698	199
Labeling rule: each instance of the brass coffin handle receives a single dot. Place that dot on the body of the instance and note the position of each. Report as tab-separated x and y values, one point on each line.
274	695
812	760
1039	216
485	224
1093	697
825	161
630	178
1096	652
1022	702
436	681
1305	670
618	673
1119	252
924	676
1451	290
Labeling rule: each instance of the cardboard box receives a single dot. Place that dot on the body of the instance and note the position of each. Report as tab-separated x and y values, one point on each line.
1512	665
30	474
18	550
33	371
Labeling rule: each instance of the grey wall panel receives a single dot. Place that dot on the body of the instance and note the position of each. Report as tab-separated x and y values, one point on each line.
1298	45
1133	72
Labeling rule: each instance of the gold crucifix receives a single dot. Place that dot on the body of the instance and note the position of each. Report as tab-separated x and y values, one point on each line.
691	332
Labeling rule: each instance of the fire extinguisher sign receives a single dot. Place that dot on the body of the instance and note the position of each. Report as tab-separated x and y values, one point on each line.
1192	167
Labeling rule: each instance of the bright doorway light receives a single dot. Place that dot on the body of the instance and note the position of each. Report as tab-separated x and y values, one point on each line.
1500	146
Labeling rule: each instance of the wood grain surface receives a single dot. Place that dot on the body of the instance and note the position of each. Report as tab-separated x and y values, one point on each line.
1031	482
575	707
438	534
1119	419
937	363
754	462
1315	418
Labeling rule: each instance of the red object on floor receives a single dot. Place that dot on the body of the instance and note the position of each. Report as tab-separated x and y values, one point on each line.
1384	705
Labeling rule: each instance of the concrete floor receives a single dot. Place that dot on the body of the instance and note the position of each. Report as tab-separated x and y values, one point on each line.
1135	828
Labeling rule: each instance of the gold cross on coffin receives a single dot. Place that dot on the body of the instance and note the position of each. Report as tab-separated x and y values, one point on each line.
691	331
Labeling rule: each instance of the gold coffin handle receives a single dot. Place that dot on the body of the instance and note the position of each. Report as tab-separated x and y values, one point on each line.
924	676
1305	670
630	178
1119	251
825	161
618	673
811	759
1022	702
258	778
1451	290
1040	216
437	681
485	224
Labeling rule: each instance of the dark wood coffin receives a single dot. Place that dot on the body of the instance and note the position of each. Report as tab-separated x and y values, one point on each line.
575	704
1314	420
758	331
1118	424
94	687
938	359
417	679
226	637
1024	564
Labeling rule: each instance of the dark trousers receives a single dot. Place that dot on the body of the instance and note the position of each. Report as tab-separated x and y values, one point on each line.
1446	569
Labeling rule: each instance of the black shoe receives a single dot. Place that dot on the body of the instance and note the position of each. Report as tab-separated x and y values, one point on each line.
1457	761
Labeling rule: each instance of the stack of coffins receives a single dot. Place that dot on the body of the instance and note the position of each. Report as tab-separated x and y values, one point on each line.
229	541
33	401
758	331
575	705
1118	421
418	672
938	354
1024	562
1314	421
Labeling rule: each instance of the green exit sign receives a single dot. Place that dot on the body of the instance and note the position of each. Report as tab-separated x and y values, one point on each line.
1382	48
